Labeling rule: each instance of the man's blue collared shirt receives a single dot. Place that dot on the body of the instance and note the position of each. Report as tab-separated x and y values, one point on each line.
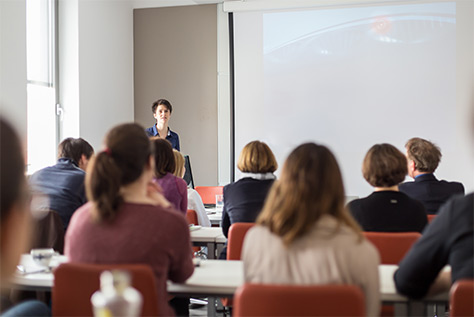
172	137
64	185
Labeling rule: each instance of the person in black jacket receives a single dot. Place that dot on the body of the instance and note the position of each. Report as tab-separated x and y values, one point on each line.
243	200
423	158
449	239
387	209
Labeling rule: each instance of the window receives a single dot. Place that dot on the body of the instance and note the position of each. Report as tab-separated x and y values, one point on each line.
42	121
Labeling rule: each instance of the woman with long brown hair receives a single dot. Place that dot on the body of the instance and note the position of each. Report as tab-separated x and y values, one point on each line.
304	235
126	219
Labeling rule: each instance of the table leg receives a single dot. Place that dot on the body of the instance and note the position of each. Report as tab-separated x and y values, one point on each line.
400	309
211	306
416	308
211	251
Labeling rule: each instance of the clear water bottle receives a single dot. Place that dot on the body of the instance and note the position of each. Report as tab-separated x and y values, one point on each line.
116	297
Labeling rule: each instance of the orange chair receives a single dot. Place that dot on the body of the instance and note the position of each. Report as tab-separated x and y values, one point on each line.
392	246
208	193
293	300
191	217
237	232
462	298
431	218
74	284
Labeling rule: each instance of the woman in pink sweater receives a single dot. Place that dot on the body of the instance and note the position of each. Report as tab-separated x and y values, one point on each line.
174	188
127	220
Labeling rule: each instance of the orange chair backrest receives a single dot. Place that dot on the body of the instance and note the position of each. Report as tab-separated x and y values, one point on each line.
392	246
462	298
296	300
74	284
208	193
431	218
191	217
237	232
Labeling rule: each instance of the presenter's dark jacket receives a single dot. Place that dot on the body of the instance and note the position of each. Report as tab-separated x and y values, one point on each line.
64	185
243	201
389	211
172	137
447	240
430	191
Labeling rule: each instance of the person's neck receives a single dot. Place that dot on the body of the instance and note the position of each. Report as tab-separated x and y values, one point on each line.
136	192
381	189
416	173
162	127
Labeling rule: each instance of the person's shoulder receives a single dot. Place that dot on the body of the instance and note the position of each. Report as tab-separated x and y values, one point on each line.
82	215
457	186
173	134
460	204
406	185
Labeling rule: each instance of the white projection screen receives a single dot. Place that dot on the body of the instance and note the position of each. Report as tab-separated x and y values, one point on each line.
351	77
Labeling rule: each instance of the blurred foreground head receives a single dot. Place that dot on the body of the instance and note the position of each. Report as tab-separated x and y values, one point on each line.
14	200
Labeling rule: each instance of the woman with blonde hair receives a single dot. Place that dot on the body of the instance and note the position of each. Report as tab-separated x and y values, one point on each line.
243	200
194	200
126	219
304	235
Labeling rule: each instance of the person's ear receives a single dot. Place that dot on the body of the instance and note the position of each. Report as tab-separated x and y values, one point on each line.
155	115
83	162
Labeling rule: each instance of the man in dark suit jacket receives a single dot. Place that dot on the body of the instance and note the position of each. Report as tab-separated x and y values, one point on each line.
423	159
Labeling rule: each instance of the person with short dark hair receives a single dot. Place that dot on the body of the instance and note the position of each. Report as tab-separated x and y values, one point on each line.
387	209
162	110
63	183
423	158
15	217
243	200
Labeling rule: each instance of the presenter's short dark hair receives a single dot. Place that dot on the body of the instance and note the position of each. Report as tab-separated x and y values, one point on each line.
73	149
384	166
162	102
425	154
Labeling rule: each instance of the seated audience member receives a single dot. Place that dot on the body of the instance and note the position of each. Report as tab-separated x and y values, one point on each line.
423	158
15	217
127	220
305	236
174	188
448	240
194	200
63	183
387	209
243	200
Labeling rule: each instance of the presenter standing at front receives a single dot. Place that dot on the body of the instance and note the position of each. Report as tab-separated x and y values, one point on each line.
162	112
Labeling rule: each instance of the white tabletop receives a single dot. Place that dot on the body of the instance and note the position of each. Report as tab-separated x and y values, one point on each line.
215	216
207	234
218	278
